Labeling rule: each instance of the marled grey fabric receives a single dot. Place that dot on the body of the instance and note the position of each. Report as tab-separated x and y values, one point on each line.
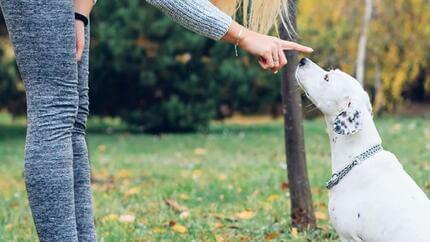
200	16
56	158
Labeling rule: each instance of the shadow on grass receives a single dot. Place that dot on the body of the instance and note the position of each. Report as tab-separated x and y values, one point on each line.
12	131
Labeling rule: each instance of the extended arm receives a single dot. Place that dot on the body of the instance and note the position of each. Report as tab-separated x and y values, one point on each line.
200	16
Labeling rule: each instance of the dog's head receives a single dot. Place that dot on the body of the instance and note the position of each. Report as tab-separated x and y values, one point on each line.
338	95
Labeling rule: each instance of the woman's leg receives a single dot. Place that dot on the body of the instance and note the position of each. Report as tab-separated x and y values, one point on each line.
43	36
81	166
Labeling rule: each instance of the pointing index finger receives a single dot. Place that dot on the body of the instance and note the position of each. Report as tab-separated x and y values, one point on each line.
288	45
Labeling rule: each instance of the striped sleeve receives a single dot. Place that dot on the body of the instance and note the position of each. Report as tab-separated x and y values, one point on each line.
199	16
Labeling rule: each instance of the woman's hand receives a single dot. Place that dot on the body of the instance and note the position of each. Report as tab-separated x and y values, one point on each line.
269	49
83	7
80	39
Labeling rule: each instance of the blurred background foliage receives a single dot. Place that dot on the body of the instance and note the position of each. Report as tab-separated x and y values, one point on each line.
160	78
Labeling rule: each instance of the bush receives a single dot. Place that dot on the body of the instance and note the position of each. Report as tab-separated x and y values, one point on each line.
162	78
12	95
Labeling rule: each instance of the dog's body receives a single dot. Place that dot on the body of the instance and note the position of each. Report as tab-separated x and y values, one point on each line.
377	200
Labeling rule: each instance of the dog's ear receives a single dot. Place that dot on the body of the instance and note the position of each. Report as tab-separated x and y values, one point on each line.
348	121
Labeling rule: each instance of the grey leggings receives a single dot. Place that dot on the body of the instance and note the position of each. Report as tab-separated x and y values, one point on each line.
57	173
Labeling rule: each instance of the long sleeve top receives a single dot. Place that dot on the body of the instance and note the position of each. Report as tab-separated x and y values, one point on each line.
199	16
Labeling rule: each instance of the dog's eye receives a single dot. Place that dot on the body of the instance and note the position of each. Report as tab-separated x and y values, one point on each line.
326	78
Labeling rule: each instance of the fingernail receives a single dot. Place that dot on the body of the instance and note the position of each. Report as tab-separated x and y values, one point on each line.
276	72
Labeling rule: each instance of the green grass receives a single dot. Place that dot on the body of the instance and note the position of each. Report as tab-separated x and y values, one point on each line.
217	176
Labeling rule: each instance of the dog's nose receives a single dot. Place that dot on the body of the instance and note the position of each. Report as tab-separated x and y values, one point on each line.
303	61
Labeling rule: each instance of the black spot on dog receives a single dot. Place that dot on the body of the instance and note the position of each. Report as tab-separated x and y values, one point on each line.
358	215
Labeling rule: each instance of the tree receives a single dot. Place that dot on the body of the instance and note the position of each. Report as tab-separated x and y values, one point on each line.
362	44
302	213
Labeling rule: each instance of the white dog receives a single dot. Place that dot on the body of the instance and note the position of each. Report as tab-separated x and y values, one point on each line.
371	197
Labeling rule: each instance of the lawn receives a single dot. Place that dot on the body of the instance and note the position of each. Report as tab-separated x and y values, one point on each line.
228	184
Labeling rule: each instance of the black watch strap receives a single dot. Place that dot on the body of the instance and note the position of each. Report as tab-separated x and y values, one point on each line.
82	18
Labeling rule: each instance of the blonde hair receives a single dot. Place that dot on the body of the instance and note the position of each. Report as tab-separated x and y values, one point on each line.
259	15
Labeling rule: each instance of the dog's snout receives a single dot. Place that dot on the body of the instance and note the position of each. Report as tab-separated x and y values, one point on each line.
303	61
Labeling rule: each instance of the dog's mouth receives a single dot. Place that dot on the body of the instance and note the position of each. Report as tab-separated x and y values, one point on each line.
303	88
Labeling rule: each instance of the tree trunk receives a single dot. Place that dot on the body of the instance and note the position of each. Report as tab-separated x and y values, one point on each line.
302	213
362	44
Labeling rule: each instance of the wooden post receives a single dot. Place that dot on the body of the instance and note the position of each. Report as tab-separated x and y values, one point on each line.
302	213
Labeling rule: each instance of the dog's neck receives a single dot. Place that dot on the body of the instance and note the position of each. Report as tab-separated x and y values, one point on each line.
345	147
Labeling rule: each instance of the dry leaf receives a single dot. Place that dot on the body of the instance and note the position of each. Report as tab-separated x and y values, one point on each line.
200	151
247	214
219	238
175	206
222	177
271	236
184	214
132	191
273	198
110	218
285	186
179	228
197	173
184	196
127	218
9	226
320	215
217	225
295	233
123	174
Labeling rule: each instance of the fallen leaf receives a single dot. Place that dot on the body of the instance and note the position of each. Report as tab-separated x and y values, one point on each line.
175	206
222	177
127	218
271	236
218	225
179	228
9	226
285	186
273	198
219	238
123	174
197	173
184	214
200	151
320	215
110	218
132	191
247	214
295	233
184	196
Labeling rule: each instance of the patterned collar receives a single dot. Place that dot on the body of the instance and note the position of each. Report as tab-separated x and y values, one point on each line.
337	176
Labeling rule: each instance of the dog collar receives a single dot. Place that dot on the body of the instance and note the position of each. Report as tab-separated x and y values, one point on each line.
336	177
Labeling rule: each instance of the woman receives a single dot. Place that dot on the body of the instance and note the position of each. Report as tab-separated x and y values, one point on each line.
51	45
